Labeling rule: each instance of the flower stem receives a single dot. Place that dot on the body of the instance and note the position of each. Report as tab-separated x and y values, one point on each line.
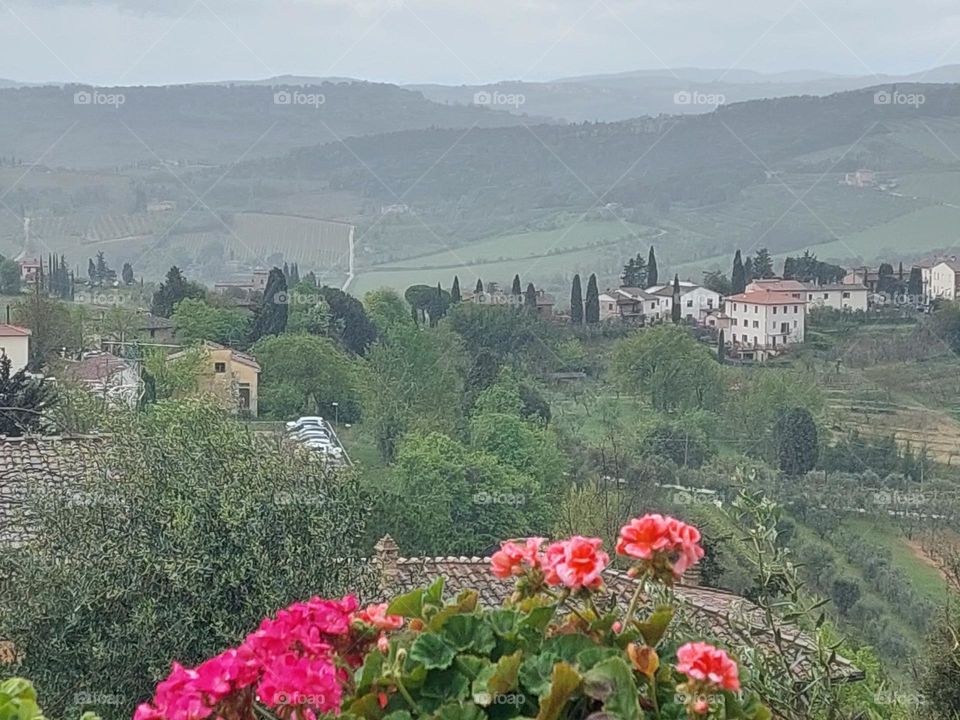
632	608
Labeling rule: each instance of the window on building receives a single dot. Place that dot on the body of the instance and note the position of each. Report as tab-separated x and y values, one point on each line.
756	324
774	309
689	303
796	309
219	367
744	338
846	296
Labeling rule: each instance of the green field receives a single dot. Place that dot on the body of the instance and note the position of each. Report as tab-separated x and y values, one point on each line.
549	258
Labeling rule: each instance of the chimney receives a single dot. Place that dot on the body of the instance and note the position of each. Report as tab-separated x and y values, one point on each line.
385	559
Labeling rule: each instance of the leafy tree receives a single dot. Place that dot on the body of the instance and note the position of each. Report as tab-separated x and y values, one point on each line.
592	305
762	265
676	312
483	373
685	440
386	310
798	446
738	278
270	317
845	593
941	666
653	274
350	322
520	337
294	278
439	305
126	274
667	366
9	277
196	321
886	280
172	290
23	400
455	290
305	374
807	268
184	520
308	312
474	499
576	301
52	326
422	298
174	378
718	282
635	273
413	382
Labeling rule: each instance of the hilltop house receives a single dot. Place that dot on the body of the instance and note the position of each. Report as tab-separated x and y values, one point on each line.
627	303
769	316
229	375
15	344
838	297
256	282
696	301
945	280
656	303
495	296
30	270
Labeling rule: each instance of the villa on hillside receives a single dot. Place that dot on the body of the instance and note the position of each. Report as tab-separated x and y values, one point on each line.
495	296
837	297
15	344
656	303
766	318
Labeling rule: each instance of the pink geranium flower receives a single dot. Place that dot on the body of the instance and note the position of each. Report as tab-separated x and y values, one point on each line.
658	538
515	558
709	665
376	615
576	563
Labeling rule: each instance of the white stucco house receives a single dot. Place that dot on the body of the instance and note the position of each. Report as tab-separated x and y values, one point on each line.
15	344
696	301
768	317
628	303
837	297
945	280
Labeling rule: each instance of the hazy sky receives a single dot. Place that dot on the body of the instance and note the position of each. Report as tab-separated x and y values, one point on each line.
462	41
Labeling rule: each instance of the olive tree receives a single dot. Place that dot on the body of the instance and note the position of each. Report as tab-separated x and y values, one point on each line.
187	530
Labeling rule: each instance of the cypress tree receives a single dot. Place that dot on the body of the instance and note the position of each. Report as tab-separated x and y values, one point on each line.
675	313
653	275
592	304
271	316
516	290
721	347
294	275
576	301
738	278
455	290
479	288
530	298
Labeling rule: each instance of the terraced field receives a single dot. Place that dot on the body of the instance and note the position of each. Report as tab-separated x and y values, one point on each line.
313	243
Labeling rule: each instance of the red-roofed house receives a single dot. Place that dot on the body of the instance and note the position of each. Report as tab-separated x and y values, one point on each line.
769	316
15	344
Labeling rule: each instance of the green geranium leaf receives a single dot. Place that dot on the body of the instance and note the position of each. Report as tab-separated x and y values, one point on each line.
535	673
564	682
399	715
432	651
446	685
409	605
505	676
504	623
538	618
568	647
469	632
466	602
366	706
612	683
371	671
434	594
459	711
591	656
655	626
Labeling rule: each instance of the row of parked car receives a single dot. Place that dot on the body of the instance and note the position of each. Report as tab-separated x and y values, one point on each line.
313	432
